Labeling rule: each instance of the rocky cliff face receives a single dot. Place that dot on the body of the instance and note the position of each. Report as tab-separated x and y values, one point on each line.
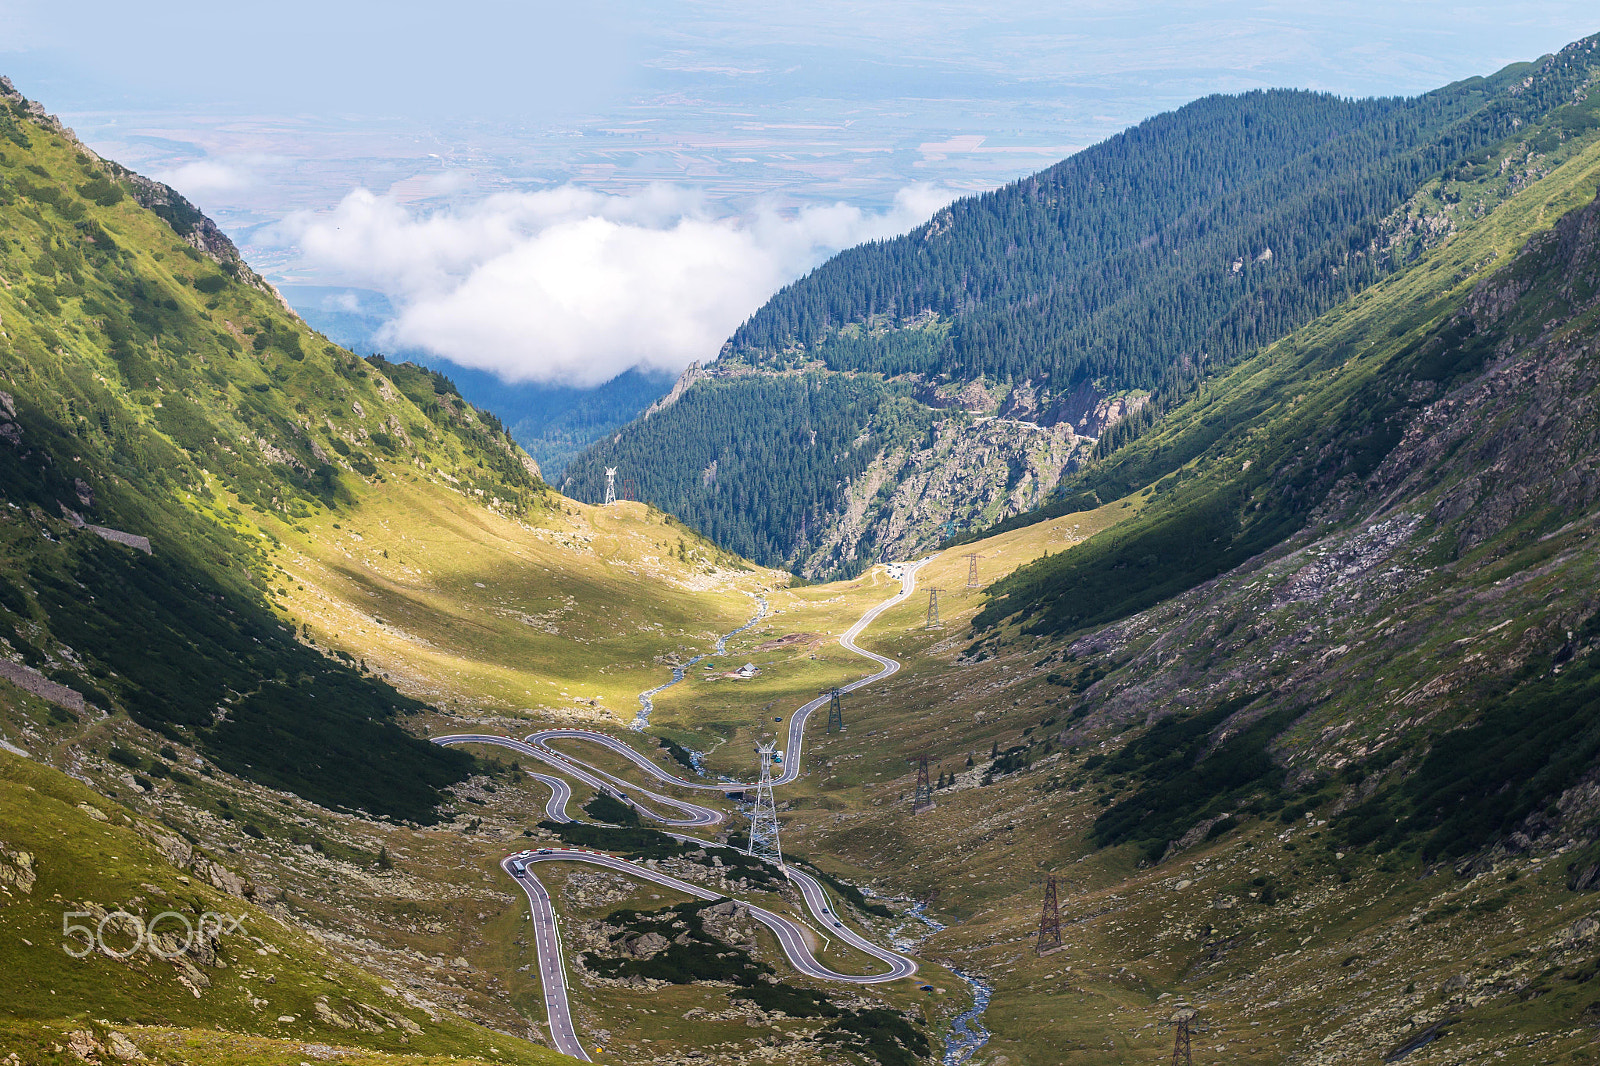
991	450
997	453
975	472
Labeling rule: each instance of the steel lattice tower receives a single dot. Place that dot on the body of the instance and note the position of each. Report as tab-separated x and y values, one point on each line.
1049	921
835	712
611	486
922	799
972	570
933	610
1182	1024
764	818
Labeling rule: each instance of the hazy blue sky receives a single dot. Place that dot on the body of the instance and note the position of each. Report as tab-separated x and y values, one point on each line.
537	58
560	190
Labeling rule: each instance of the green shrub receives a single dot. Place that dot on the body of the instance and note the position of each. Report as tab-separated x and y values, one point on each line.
119	754
637	843
607	808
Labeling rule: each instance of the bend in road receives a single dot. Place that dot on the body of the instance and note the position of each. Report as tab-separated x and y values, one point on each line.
547	938
797	721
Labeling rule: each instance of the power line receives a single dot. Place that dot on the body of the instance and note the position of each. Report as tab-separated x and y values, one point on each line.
835	712
1182	1024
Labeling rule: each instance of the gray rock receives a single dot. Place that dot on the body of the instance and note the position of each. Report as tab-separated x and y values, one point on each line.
645	945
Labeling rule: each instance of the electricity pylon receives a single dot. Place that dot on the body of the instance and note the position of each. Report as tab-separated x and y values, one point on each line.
922	799
1049	921
835	712
764	818
933	610
1182	1024
972	570
611	486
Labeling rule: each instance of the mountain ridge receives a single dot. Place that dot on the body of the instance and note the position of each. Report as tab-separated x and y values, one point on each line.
990	295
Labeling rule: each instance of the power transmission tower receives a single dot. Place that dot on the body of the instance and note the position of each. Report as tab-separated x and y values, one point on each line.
764	818
972	570
933	610
835	712
1049	921
922	799
611	486
630	489
1182	1024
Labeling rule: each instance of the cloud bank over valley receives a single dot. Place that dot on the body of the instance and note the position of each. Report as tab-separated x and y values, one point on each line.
573	286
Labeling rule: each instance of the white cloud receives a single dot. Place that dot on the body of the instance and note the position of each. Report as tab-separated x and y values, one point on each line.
342	301
205	178
574	286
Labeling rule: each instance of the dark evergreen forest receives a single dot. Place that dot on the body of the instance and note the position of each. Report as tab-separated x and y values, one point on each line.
1147	256
709	458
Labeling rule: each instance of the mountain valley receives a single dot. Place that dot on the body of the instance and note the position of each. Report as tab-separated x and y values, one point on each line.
1253	608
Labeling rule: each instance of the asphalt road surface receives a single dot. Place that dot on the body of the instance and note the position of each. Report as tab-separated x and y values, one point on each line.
560	793
598	780
791	937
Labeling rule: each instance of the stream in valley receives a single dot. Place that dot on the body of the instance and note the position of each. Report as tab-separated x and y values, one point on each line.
967	1033
647	699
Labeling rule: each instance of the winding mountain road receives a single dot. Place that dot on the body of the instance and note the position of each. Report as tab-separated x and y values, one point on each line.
791	937
907	572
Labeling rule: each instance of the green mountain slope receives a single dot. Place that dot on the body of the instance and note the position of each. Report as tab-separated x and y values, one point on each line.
155	388
63	848
1249	460
335	544
1148	262
1424	457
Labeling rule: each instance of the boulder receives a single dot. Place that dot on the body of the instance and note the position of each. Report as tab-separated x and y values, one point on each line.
122	1047
645	945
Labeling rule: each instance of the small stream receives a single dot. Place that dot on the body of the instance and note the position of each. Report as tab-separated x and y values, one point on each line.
647	699
967	1033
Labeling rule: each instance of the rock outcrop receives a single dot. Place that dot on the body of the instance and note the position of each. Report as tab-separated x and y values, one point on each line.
16	869
975	472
